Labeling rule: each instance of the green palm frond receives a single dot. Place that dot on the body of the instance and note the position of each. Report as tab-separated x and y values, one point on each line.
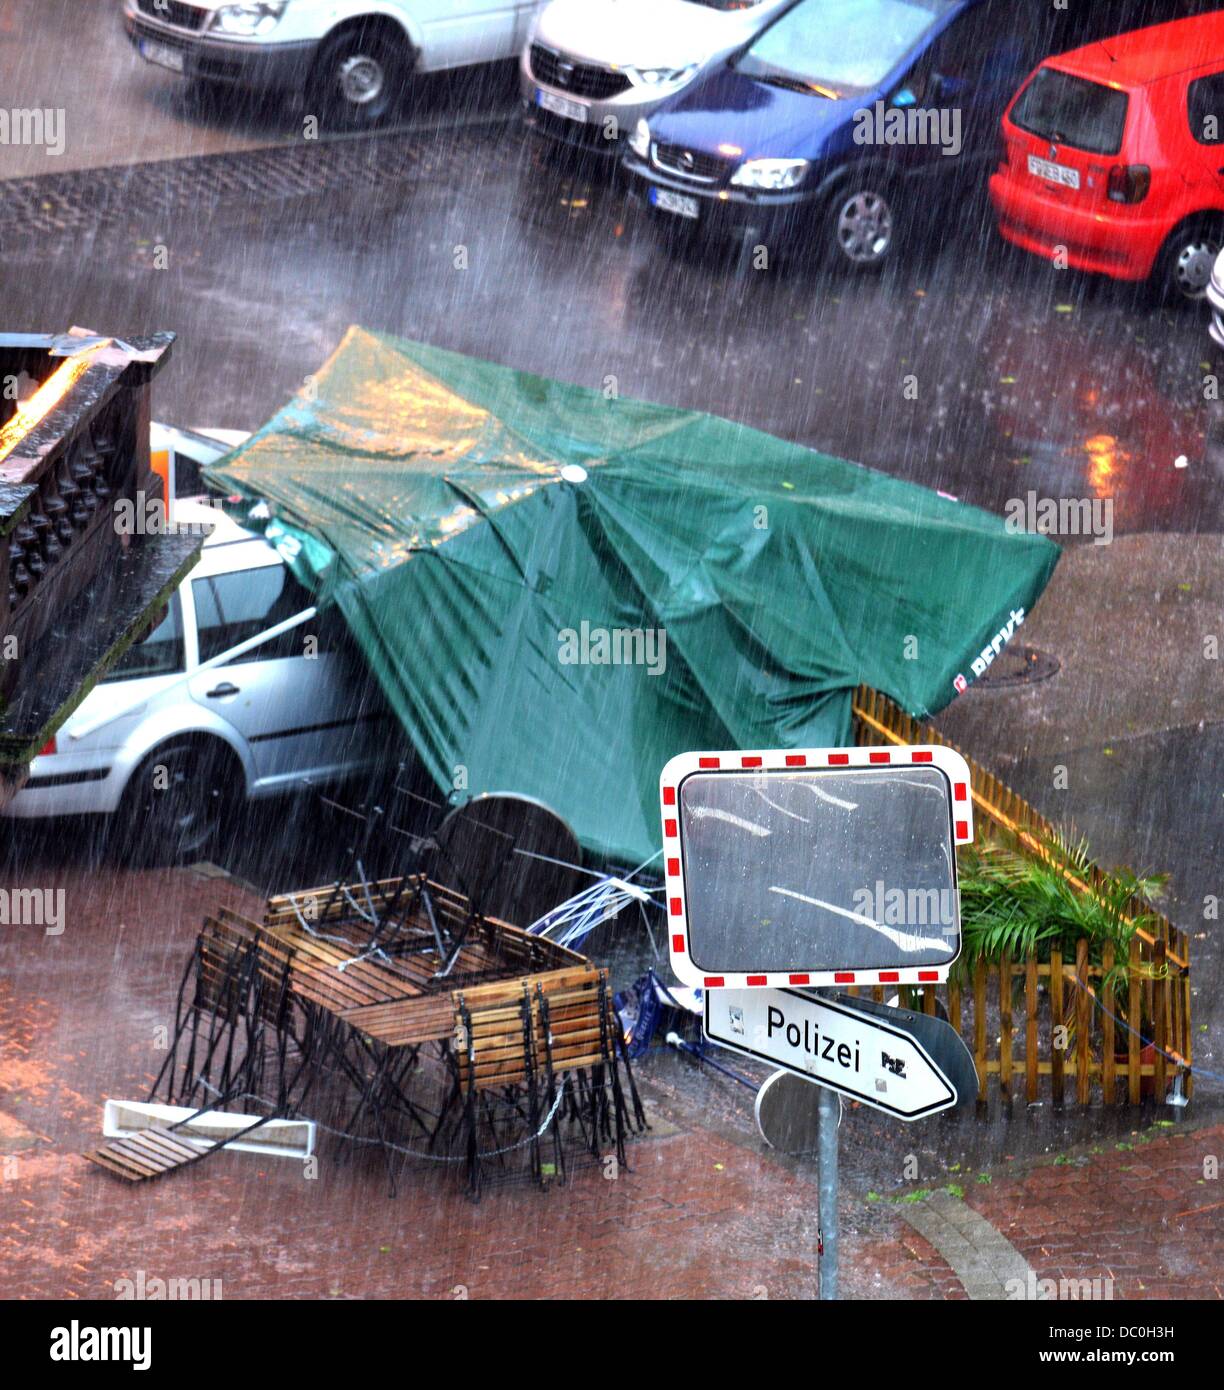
1020	903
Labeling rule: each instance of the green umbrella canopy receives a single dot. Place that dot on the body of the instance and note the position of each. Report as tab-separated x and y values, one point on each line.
558	591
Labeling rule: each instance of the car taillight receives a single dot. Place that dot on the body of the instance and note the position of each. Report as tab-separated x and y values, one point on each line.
1129	183
47	748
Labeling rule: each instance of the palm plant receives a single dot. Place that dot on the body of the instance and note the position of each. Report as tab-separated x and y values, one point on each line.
1022	903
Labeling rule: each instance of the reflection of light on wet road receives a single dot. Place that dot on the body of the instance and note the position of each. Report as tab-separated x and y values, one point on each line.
1104	457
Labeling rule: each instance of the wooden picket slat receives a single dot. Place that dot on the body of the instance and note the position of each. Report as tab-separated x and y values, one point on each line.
979	1017
1083	1022
1109	1059
1160	994
1187	1045
1030	1029
1057	1019
1005	1026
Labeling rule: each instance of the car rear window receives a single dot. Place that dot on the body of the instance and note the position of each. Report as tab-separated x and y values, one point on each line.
1206	109
1072	111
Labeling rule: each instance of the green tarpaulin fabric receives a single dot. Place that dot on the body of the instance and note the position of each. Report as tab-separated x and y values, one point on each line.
558	591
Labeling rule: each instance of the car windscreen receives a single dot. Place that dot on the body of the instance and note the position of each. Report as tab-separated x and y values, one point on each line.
839	48
1072	111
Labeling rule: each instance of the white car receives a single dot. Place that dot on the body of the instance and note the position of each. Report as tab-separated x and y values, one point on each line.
173	744
1215	297
592	68
351	57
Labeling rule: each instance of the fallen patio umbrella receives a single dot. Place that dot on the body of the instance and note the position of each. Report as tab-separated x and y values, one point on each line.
557	591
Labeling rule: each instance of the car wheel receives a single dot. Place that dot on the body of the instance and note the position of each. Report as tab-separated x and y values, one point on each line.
1184	268
862	225
176	803
358	77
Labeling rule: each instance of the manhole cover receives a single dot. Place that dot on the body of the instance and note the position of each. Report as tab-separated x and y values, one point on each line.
1019	666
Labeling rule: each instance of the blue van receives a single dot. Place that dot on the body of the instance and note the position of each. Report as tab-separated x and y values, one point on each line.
847	122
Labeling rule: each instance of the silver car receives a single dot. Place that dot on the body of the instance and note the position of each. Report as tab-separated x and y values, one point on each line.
592	68
173	739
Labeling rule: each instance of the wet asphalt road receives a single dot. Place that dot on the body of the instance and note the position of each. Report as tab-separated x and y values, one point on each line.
1027	378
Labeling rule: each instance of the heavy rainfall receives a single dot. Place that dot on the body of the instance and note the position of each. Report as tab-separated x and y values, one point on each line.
424	426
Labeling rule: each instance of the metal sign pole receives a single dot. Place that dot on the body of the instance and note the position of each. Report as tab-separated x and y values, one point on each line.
830	1107
839	820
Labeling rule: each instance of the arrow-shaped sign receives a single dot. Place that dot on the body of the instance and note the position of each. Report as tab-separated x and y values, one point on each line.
864	1050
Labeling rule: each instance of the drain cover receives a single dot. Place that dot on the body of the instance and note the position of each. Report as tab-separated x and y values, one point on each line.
1019	666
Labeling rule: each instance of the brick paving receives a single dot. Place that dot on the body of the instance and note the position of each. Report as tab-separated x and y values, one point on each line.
701	1214
1144	1215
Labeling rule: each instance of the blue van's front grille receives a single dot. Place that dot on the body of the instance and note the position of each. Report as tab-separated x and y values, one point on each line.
689	164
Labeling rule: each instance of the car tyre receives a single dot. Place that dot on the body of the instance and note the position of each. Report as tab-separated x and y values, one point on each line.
358	77
861	225
177	817
1184	266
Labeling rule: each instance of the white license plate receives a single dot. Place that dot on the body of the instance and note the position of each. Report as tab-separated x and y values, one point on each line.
679	203
1053	173
162	54
561	106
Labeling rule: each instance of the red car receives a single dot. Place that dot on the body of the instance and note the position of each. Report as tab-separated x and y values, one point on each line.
1114	157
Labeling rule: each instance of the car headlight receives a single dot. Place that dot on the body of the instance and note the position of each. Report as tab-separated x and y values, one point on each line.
639	141
660	77
770	173
249	19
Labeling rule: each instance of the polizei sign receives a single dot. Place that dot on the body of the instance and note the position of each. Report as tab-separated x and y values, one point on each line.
868	1051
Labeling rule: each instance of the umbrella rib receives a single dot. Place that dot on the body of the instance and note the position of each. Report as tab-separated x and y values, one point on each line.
473	501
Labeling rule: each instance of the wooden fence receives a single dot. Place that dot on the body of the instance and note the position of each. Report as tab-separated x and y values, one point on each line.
1046	1014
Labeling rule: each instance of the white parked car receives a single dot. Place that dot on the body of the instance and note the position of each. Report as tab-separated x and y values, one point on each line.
1215	297
172	745
592	68
350	57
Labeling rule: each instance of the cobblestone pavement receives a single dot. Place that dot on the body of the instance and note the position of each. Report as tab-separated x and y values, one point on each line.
700	1214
